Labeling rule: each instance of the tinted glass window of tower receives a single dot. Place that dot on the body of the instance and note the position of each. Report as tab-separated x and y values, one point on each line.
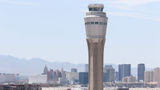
95	9
100	23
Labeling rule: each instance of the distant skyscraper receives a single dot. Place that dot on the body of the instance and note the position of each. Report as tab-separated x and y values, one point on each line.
86	67
45	71
63	74
116	76
73	70
95	24
63	79
58	75
110	73
141	70
83	77
124	70
105	77
51	75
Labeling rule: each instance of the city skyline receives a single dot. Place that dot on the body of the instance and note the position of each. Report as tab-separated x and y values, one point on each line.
32	29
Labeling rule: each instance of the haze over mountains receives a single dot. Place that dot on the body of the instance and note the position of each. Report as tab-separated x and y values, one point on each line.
10	64
34	66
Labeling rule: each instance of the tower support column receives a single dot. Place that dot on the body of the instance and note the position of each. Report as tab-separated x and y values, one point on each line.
95	53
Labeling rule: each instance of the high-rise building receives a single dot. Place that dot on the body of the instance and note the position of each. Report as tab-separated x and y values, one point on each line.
86	67
116	76
110	73
124	70
63	79
95	24
105	77
58	75
50	75
73	70
63	74
156	75
83	77
45	71
141	70
53	76
148	76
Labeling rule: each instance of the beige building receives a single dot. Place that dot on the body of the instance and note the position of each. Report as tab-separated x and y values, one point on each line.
148	76
152	76
156	75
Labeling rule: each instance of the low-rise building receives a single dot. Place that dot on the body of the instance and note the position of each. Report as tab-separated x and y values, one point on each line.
80	88
72	76
8	78
144	89
38	79
129	79
20	87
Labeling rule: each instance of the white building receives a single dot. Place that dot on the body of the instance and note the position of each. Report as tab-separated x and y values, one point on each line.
37	79
72	76
129	79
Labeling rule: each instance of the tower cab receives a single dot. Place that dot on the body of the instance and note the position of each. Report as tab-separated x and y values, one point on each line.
96	7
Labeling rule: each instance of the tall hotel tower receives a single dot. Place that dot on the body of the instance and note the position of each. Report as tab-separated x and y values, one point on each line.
95	24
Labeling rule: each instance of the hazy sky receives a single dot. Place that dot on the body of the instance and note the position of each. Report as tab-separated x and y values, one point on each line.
54	30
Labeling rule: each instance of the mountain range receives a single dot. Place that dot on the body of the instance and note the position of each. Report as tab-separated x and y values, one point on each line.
10	64
34	66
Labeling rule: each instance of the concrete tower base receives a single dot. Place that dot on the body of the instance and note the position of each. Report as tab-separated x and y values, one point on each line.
95	49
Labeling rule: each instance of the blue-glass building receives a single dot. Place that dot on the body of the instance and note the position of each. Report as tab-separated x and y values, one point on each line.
83	77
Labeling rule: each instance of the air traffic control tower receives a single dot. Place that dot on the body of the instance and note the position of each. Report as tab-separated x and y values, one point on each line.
95	24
